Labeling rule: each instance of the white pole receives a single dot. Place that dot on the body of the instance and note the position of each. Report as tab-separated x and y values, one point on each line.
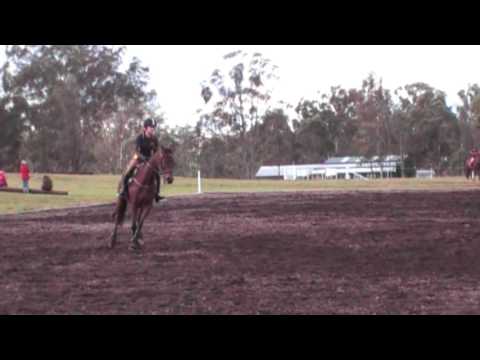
199	182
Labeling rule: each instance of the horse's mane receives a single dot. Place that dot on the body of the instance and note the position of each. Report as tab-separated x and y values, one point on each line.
167	151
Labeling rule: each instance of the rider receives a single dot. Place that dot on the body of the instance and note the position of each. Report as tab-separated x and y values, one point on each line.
472	155
146	145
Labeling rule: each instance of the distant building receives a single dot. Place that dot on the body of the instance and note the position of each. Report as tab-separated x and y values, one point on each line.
425	173
347	167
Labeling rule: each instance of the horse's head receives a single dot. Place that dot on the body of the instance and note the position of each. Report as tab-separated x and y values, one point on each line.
167	163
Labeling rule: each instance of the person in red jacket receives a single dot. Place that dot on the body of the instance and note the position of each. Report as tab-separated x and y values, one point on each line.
25	175
3	179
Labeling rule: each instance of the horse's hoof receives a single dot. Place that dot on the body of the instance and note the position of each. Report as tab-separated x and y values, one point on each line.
135	246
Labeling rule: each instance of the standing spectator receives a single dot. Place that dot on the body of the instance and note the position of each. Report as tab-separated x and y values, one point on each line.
25	174
3	179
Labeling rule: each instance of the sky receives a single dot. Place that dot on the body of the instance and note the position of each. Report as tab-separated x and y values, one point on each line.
177	71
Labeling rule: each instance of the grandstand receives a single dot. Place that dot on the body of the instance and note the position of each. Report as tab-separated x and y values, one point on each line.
347	167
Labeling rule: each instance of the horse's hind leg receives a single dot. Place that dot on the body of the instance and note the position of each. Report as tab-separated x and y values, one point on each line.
142	219
134	231
113	238
118	216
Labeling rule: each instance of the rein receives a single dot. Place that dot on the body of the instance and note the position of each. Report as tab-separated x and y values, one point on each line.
160	173
141	185
154	170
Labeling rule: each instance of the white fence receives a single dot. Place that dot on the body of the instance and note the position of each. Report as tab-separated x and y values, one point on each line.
422	173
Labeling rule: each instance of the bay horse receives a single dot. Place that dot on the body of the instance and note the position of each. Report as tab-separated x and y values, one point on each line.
141	194
472	166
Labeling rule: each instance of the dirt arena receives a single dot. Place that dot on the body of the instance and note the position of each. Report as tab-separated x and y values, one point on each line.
265	253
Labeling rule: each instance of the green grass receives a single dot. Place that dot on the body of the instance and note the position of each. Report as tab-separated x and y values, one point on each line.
96	189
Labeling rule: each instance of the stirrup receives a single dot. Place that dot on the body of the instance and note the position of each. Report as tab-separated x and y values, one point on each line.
123	193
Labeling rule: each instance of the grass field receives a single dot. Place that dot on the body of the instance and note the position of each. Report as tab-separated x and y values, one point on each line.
96	189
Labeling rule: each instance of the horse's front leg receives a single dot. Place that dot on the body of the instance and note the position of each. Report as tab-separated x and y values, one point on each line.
135	217
136	230
142	217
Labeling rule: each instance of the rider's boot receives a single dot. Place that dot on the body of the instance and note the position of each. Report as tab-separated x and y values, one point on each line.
124	192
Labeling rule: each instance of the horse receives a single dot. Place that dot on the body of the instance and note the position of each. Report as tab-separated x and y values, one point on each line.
472	166
141	193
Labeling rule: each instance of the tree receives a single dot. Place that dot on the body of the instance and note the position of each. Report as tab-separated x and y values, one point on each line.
275	144
373	113
186	150
218	158
72	92
317	133
13	112
344	126
430	129
469	117
327	126
241	99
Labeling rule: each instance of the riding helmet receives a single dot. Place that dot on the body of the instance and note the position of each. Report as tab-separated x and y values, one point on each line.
149	122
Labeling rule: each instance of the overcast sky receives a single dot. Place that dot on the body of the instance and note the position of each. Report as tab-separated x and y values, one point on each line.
176	71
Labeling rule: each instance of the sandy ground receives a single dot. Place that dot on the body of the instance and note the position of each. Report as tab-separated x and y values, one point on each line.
268	253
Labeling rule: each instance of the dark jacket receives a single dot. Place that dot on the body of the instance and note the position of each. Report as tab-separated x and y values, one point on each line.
146	147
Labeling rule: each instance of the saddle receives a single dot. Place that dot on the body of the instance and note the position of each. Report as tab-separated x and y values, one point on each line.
135	171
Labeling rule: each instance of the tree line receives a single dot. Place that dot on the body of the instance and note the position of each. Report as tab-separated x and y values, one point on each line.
74	108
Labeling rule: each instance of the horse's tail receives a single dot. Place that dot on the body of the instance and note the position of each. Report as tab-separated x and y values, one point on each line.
120	210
